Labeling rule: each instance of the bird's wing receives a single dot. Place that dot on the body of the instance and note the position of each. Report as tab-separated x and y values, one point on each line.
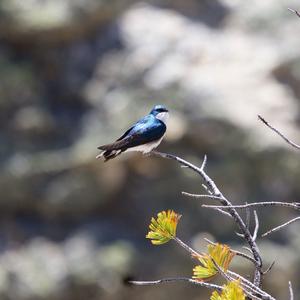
143	120
147	130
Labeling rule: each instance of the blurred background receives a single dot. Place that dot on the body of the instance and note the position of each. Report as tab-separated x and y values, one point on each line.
75	73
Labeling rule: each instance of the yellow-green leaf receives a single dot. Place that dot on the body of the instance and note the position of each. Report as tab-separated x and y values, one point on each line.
163	228
221	254
231	291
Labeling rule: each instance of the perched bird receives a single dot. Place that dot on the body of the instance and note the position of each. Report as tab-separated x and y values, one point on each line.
145	135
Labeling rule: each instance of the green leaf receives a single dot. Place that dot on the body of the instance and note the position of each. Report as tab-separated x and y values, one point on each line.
163	228
221	254
231	291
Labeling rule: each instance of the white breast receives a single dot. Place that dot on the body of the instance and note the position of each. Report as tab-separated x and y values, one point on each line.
163	116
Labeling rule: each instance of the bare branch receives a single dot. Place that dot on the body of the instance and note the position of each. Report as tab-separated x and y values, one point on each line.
296	146
248	217
223	273
226	203
211	185
249	288
204	162
291	291
244	255
247	248
249	291
280	226
269	268
241	235
296	12
220	209
186	247
249	285
224	212
170	280
206	188
202	196
254	236
294	205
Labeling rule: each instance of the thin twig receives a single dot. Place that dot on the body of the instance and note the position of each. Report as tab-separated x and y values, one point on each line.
248	284
220	209
248	217
211	185
254	235
201	196
269	268
224	201
241	235
224	212
291	291
247	248
296	146
294	205
280	226
204	162
244	255
223	273
206	188
250	292
169	280
296	12
239	253
186	247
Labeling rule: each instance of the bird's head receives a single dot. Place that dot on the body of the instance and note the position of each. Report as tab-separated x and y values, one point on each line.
160	112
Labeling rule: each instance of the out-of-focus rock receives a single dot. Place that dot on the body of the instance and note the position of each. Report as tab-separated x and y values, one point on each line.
179	61
17	86
288	74
43	268
49	22
33	121
212	13
65	194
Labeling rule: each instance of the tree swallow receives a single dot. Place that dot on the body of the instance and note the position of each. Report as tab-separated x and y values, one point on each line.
145	135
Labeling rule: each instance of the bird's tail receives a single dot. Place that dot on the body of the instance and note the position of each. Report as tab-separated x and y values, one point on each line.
108	152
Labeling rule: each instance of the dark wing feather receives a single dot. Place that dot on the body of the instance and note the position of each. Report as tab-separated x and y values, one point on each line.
117	144
125	134
108	146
